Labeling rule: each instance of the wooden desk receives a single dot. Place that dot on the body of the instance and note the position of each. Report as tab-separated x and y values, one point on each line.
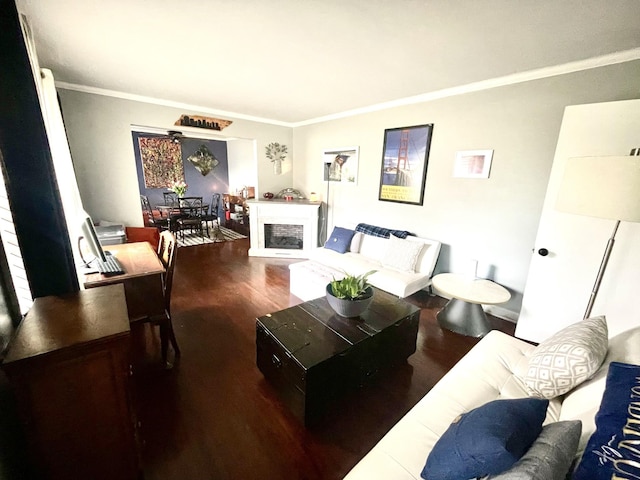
142	279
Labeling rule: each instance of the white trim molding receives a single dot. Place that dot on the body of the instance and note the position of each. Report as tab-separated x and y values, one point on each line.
515	78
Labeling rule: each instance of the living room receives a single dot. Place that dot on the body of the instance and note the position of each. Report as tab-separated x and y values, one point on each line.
518	115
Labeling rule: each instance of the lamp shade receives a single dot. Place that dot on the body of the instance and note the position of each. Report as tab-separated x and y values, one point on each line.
603	187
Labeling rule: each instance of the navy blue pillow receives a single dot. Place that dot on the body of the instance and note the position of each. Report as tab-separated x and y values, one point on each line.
613	451
487	440
340	239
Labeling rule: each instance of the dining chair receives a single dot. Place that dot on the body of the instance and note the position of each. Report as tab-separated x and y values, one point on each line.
167	252
170	199
150	218
191	212
212	214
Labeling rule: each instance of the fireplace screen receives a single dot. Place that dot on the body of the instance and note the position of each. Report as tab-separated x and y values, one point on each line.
283	236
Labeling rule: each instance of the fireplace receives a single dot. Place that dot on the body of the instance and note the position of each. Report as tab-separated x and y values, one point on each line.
283	236
281	228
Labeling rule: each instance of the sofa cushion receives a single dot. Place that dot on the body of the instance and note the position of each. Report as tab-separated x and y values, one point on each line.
567	358
549	457
340	239
487	440
613	450
402	254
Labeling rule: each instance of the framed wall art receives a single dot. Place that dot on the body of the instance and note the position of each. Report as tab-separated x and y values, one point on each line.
341	165
405	157
473	164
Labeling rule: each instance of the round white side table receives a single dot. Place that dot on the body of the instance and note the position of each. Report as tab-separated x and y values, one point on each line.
463	313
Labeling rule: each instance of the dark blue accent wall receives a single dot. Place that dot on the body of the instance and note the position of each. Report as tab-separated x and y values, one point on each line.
217	181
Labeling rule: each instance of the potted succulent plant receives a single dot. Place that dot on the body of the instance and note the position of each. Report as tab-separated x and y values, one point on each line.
351	295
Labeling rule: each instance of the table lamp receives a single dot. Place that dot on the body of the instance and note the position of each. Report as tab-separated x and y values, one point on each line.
602	187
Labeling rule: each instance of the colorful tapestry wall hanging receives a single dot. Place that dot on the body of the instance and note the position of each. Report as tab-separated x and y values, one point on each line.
161	161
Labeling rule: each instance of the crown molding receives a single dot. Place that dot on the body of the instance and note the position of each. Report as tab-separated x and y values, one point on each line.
513	79
166	103
521	77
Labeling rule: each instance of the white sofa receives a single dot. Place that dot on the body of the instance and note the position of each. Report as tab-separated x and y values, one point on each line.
308	279
490	371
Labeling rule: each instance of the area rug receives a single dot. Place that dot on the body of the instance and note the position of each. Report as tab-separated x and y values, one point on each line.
216	234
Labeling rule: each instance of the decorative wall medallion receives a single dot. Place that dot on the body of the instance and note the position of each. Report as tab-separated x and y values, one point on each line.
203	160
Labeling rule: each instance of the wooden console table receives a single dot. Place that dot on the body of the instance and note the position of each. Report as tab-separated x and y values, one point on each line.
69	367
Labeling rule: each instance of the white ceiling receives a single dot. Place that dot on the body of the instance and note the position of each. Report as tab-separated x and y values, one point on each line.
293	61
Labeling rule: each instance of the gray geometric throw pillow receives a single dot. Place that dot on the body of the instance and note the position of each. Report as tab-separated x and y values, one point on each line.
567	358
550	456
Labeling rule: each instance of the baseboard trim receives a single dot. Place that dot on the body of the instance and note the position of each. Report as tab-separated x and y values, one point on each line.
502	313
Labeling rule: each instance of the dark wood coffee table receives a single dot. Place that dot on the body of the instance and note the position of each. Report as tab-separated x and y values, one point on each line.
310	354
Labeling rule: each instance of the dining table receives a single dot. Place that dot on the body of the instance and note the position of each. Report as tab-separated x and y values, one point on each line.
173	212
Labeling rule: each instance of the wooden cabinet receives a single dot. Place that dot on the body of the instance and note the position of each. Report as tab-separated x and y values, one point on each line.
69	367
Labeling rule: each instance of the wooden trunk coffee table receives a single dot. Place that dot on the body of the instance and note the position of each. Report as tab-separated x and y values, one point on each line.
310	354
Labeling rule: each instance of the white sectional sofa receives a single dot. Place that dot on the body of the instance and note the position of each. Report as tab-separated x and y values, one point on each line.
308	279
492	370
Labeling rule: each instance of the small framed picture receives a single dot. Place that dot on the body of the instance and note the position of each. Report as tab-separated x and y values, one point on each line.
341	165
473	164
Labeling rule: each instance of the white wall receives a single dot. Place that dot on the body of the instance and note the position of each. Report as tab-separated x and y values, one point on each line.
243	159
99	131
493	220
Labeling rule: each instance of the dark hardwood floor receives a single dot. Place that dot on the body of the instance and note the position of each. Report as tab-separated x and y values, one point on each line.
213	416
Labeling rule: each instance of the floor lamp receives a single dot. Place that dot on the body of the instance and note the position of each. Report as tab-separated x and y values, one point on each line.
602	187
327	177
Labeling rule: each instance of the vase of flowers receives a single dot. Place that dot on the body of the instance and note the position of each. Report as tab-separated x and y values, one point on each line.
276	153
179	188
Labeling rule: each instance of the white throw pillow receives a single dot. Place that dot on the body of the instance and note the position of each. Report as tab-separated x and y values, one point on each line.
402	254
568	358
372	247
355	242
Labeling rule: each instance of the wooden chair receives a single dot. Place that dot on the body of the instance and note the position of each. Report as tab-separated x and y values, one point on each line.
164	249
167	250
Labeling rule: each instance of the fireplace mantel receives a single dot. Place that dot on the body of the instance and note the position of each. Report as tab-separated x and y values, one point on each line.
280	213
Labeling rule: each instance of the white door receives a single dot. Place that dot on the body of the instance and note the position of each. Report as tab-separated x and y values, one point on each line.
559	284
